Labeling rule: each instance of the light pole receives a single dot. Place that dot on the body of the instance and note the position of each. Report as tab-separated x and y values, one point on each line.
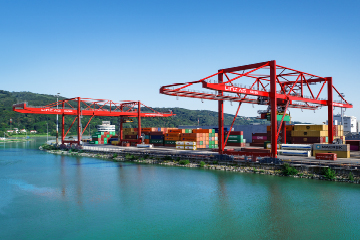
47	133
342	116
57	120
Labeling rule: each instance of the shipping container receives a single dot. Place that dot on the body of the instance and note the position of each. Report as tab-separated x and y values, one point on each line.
300	133
326	156
304	127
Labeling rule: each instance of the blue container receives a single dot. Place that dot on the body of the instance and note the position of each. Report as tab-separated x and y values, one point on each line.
156	136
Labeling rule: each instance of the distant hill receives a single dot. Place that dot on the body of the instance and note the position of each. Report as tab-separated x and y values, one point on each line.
38	122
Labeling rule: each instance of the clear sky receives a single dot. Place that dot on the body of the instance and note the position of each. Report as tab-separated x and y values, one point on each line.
129	49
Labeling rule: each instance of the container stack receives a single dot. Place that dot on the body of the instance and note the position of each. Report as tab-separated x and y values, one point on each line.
204	138
171	138
101	137
157	138
341	150
258	139
289	129
309	134
338	132
236	139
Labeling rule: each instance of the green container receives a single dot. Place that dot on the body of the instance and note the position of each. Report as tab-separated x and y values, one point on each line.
212	142
92	142
234	141
99	133
170	142
147	136
213	131
216	146
188	130
96	136
108	135
105	139
156	141
279	117
236	137
96	142
201	142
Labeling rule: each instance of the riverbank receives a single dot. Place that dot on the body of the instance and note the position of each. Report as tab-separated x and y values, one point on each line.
14	140
281	170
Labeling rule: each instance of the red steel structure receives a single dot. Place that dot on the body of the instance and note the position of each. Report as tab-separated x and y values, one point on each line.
270	84
92	107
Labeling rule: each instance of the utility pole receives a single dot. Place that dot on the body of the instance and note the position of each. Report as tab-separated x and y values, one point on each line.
342	116
47	133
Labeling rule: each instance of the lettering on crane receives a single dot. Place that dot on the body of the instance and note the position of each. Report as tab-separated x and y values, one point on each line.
241	90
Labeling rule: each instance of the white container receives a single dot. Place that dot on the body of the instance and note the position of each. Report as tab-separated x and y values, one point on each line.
180	147
307	147
295	153
180	143
190	148
190	143
145	145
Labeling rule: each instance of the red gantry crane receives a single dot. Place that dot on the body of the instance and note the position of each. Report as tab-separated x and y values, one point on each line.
268	84
92	107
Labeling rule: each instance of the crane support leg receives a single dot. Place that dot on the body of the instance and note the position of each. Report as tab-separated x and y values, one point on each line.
221	116
273	103
330	109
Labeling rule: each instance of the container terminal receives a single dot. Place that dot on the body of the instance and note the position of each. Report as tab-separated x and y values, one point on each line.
276	87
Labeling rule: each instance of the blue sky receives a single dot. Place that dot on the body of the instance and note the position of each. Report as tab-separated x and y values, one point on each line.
129	49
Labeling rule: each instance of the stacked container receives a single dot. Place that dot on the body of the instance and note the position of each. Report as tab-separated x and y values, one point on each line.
204	138
157	138
235	139
171	138
309	134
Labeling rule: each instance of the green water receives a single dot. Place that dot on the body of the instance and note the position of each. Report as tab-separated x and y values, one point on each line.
45	196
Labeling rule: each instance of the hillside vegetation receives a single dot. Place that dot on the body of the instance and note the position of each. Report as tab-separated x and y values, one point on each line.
38	122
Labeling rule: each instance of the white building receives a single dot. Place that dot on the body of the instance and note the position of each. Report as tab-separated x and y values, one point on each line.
105	127
350	123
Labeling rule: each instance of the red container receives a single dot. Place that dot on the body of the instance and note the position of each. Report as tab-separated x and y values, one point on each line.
170	145
158	144
264	138
354	148
234	144
235	133
259	150
156	133
258	141
130	136
256	144
259	134
326	156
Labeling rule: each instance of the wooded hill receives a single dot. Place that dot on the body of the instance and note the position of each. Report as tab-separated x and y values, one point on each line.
38	122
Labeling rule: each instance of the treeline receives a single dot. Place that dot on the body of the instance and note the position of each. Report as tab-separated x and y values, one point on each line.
39	122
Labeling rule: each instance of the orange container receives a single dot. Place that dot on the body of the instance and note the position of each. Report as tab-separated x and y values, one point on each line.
172	135
190	139
177	131
146	141
172	138
147	129
190	135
